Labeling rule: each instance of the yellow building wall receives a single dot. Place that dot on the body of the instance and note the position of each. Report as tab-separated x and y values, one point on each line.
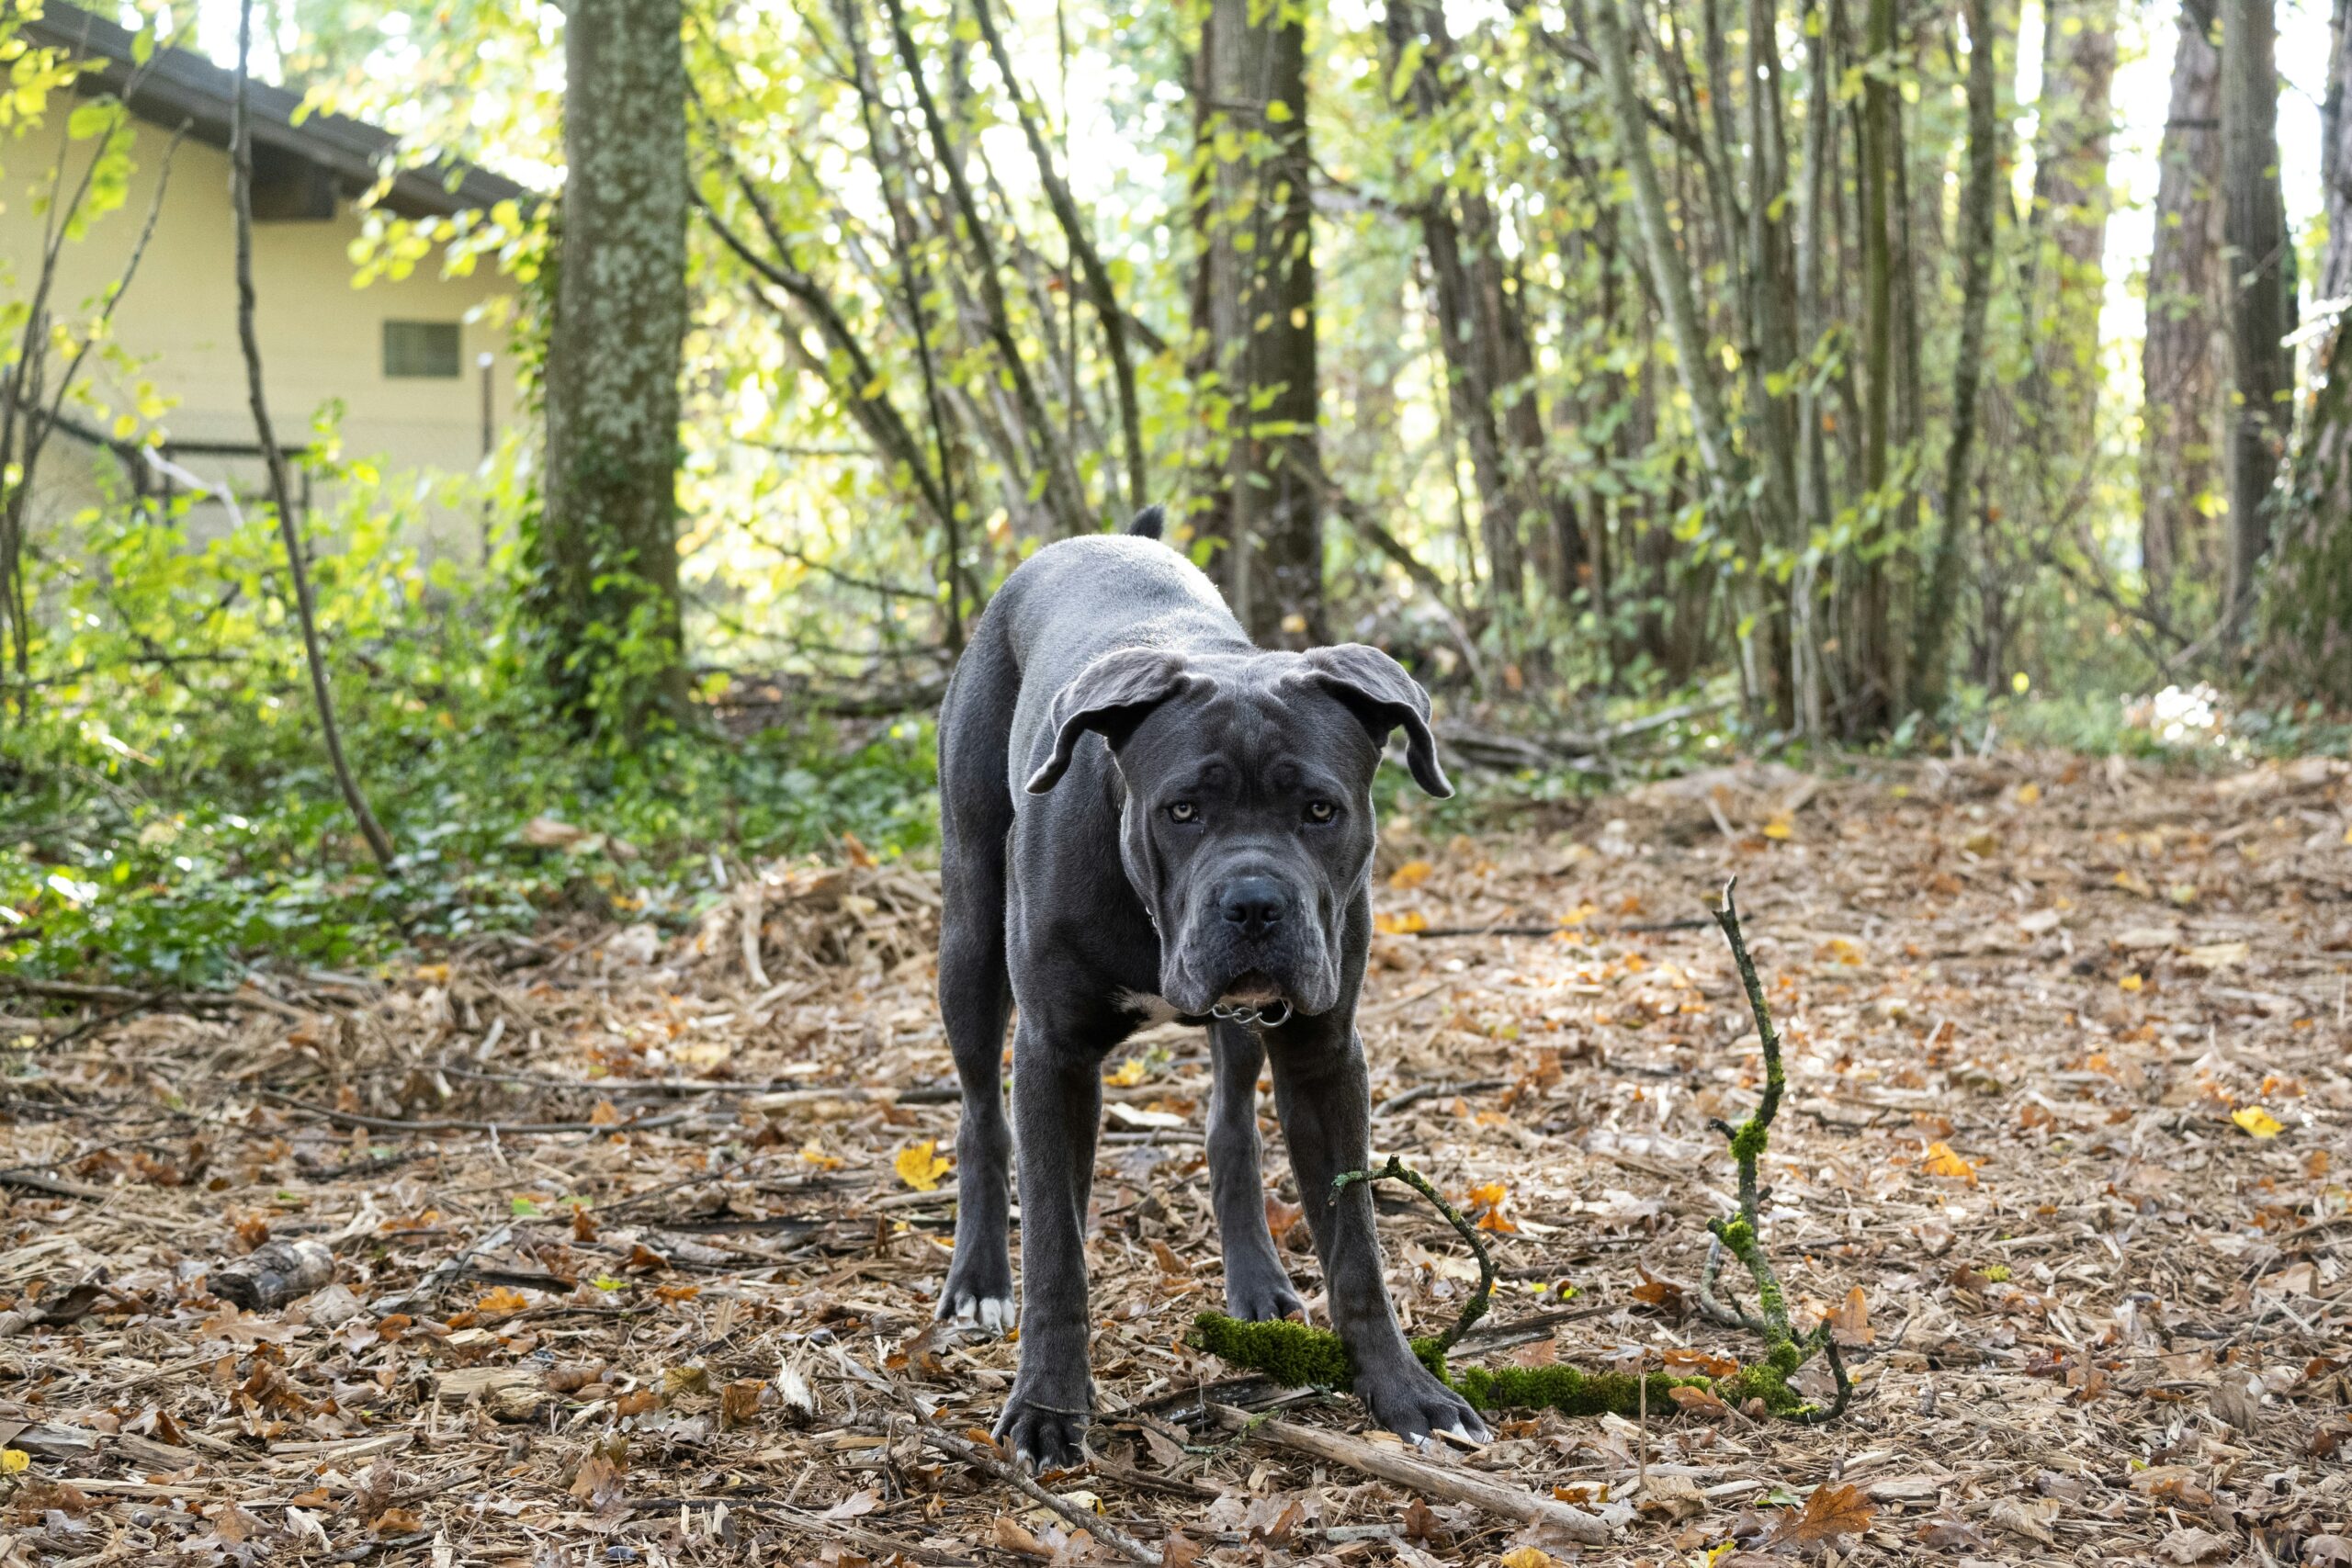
322	339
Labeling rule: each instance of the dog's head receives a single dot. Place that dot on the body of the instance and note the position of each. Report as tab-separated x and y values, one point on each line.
1246	804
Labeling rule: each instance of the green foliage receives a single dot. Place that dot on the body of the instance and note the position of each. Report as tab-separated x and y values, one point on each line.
165	811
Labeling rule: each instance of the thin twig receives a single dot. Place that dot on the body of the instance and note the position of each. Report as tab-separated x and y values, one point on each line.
281	488
989	1464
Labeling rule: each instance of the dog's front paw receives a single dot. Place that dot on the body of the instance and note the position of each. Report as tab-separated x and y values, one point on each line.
978	1298
1042	1437
1412	1404
1261	1295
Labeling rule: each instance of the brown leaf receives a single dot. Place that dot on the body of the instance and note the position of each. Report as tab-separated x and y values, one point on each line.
1662	1294
1705	1363
1701	1402
738	1404
1169	1261
1852	1320
1281	1216
1832	1510
1178	1550
1011	1535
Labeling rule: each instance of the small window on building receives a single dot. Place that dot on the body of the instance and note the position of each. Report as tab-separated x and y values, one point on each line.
421	350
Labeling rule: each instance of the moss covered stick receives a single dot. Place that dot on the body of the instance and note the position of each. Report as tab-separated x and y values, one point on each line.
1297	1356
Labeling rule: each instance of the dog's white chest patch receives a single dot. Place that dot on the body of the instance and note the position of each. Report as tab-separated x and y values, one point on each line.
1153	1010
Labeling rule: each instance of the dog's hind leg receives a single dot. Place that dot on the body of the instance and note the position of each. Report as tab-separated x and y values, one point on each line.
976	996
1257	1288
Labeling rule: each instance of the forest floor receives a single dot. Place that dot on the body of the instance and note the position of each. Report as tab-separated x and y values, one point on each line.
635	1240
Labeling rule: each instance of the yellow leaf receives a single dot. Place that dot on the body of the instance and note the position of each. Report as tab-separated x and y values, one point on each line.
1941	1161
1401	925
1528	1557
1412	873
814	1153
2132	982
1129	1074
2257	1120
13	1461
1780	827
2028	792
921	1166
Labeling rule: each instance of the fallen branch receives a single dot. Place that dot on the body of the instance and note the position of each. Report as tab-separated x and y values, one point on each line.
503	1129
1445	1483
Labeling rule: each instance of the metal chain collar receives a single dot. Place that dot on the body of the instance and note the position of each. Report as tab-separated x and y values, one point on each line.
1253	1018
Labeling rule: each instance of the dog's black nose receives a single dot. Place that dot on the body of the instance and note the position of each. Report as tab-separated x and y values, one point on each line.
1255	903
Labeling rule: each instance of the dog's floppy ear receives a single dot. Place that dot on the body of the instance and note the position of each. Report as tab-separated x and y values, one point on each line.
1376	689
1112	695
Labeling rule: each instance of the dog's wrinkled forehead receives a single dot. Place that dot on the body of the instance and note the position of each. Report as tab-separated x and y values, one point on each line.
1253	724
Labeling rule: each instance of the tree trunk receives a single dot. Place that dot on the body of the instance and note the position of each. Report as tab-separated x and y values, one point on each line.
2071	203
2309	596
1256	298
1871	659
2185	351
2254	224
1978	210
608	533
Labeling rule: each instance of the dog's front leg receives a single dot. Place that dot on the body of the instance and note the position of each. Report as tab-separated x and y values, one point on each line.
1256	1287
1324	1097
1057	1110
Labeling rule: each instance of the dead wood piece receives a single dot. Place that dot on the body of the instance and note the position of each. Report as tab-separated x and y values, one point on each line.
41	1181
1442	1481
503	1129
512	1394
273	1274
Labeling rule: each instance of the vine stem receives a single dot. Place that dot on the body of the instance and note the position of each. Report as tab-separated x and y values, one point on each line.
1475	1308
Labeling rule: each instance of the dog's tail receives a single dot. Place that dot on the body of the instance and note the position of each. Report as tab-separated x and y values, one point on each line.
1149	521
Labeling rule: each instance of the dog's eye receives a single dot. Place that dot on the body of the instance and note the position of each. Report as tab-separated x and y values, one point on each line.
1183	811
1320	811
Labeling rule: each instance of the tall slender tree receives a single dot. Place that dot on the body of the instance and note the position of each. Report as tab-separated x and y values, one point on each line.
607	533
1254	302
2254	224
2184	354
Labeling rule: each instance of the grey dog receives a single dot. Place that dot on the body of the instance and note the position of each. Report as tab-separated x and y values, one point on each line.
1145	816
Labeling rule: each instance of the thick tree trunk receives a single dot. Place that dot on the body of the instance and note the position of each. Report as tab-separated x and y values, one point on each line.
1256	300
2309	596
608	532
2254	224
2185	351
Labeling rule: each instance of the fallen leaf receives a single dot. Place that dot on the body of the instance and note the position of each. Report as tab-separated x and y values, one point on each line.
1832	1510
1528	1557
2192	1545
858	1505
1405	924
1852	1320
1939	1160
1412	873
921	1166
1011	1535
2257	1121
1700	1401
